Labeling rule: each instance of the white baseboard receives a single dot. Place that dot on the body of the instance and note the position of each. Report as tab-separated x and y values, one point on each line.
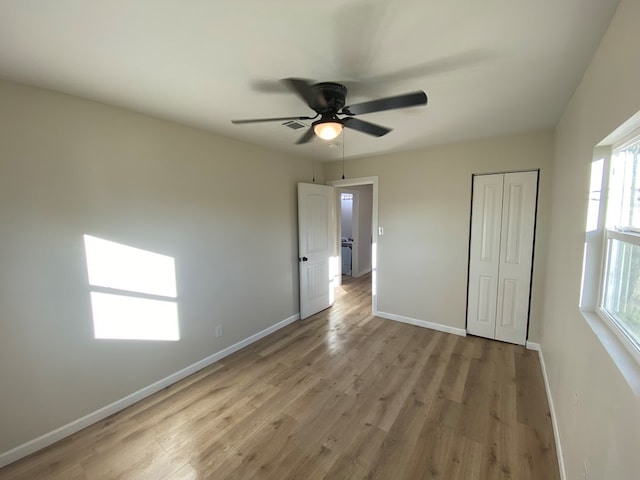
47	439
359	274
421	323
554	422
533	346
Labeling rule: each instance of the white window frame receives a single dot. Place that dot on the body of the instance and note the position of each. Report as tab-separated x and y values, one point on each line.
603	235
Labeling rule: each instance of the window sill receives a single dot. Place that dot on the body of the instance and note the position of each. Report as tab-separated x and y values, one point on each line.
628	366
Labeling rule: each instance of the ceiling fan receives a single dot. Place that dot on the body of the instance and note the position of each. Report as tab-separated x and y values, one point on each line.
327	99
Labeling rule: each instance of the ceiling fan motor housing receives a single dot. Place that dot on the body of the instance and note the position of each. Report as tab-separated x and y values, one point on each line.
335	95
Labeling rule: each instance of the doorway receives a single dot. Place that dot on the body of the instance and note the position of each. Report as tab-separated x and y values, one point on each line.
348	248
357	231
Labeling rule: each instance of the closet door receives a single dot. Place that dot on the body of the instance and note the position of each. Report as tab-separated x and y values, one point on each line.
500	255
484	261
516	255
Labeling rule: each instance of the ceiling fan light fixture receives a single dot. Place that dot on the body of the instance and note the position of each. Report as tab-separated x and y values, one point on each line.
327	130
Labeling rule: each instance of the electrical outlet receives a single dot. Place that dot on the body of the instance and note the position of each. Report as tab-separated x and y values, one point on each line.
218	331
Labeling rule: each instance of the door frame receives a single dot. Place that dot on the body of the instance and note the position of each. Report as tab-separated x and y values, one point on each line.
353	182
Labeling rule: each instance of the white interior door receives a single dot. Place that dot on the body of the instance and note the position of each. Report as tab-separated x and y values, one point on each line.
501	253
516	255
484	260
317	247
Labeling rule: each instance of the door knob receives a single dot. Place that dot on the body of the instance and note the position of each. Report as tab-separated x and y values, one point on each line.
303	259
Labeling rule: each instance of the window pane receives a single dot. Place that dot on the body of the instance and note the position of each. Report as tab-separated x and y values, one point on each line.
115	265
624	189
597	168
622	290
132	318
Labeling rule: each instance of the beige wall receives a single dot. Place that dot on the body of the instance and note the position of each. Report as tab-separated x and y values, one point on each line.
424	207
225	210
604	427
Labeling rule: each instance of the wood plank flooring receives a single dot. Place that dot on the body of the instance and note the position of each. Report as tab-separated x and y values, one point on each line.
342	395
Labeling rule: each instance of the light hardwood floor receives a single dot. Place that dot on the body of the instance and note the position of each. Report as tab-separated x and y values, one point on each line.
342	395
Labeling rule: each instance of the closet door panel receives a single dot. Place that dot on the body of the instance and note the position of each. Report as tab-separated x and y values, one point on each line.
516	254
484	253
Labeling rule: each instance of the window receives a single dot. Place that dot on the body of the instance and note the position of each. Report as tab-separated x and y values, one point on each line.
620	300
133	292
613	227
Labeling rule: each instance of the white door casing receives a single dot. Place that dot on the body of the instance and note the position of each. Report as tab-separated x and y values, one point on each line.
316	247
373	181
501	253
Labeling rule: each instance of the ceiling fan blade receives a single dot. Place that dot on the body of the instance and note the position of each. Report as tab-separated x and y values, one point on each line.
306	136
263	85
437	66
277	119
389	103
365	127
314	97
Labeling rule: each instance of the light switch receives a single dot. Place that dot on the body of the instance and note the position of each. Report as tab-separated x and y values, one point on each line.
380	231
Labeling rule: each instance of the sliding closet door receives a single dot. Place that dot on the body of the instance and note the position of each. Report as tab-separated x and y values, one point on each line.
484	262
501	251
516	255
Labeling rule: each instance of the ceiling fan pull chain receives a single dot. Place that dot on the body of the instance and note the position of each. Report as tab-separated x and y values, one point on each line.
343	138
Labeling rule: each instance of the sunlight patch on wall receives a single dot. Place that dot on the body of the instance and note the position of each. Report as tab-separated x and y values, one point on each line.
114	265
374	269
133	292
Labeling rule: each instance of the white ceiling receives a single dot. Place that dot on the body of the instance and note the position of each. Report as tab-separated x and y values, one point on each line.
489	67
